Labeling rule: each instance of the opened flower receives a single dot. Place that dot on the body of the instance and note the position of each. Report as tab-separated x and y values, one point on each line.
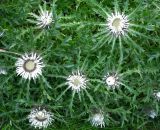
117	28
40	118
77	81
29	66
117	23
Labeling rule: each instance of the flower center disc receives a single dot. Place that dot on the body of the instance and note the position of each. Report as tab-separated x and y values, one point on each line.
29	65
76	82
116	23
40	116
111	80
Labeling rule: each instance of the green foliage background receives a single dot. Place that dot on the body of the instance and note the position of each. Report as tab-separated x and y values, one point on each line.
68	45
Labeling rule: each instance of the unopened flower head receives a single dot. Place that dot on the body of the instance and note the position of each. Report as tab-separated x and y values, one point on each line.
44	19
77	81
3	71
152	114
112	80
97	119
29	66
157	95
117	23
40	118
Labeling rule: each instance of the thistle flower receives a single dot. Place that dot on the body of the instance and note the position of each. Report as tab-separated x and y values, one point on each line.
3	71
112	80
44	19
116	28
152	114
97	119
40	118
117	24
29	66
77	81
157	95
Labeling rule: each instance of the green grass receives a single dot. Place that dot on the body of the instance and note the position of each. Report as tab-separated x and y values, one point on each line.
75	41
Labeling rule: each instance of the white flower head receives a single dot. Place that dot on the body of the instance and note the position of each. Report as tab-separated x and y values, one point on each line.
44	19
29	66
152	114
117	23
77	81
157	95
3	71
112	80
40	118
97	119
